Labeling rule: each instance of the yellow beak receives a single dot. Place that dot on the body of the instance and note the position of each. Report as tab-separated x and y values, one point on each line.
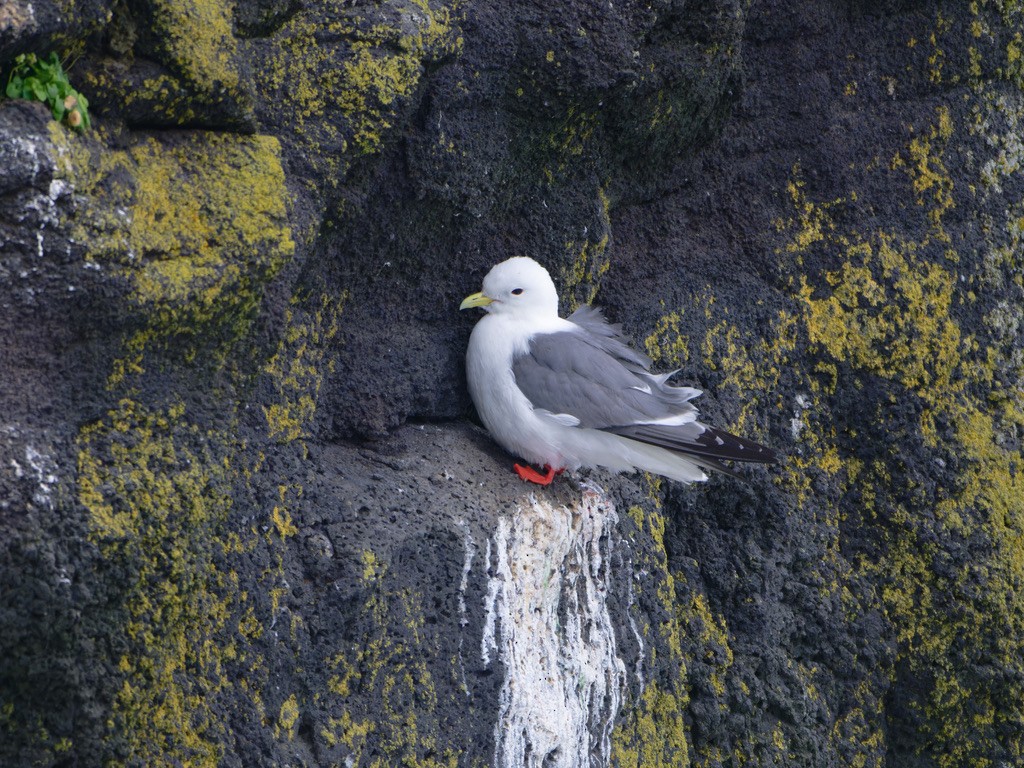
476	300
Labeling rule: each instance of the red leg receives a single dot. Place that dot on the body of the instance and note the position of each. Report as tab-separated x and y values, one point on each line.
530	475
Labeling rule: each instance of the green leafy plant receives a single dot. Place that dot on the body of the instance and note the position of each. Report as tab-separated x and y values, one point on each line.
45	80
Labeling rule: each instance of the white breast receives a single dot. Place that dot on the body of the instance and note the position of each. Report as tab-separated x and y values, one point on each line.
503	408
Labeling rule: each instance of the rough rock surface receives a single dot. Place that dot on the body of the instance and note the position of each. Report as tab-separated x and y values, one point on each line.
245	516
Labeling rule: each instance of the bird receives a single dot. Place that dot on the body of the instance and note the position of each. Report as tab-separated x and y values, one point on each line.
565	393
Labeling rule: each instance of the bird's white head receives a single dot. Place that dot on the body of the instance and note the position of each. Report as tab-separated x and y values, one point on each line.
518	286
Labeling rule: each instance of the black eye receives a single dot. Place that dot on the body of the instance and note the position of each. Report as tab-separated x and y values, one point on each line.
516	291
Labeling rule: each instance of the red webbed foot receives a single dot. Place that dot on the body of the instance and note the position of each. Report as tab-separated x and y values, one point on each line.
530	475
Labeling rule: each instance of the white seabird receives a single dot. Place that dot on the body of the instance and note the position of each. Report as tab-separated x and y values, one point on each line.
570	393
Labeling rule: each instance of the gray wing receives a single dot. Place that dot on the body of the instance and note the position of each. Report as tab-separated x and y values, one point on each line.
595	377
609	337
597	380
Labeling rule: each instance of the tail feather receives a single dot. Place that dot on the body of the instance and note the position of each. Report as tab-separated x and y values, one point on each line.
652	458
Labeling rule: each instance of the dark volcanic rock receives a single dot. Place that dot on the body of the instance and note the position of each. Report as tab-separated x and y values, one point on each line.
245	518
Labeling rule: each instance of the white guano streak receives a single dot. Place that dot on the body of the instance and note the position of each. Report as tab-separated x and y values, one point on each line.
547	620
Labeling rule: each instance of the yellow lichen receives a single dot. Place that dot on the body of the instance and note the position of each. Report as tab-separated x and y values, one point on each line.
385	67
155	503
811	222
391	680
194	227
287	719
283	522
653	734
667	344
198	51
589	265
889	310
199	39
930	177
302	359
568	141
712	634
653	730
372	567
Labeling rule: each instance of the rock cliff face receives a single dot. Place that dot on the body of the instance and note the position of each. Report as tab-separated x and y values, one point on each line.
246	518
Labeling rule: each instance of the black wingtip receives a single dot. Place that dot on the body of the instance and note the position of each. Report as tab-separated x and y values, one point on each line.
720	444
712	444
